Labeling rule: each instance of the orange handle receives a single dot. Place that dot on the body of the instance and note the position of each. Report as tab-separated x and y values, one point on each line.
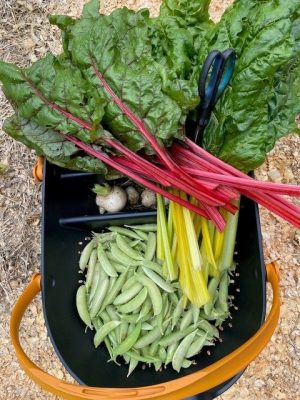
37	170
180	388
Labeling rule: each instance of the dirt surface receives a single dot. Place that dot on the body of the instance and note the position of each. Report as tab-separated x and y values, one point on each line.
25	35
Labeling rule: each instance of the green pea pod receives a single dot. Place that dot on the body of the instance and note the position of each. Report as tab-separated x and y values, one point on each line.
112	294
122	257
94	283
181	351
148	338
207	327
175	336
186	363
196	346
91	269
154	293
125	247
140	358
146	326
82	306
108	346
186	319
223	292
99	297
146	307
124	231
158	280
134	303
104	331
154	347
128	294
132	366
129	342
151	247
177	312
85	255
162	354
111	311
144	228
129	283
134	243
173	299
123	329
153	266
105	263
142	235
212	288
157	365
170	352
196	314
105	237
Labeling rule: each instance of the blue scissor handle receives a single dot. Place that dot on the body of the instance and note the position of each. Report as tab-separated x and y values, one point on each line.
215	75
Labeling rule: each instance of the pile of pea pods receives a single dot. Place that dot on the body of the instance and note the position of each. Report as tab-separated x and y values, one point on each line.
136	313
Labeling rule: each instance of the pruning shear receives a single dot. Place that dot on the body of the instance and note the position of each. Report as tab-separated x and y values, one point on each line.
215	76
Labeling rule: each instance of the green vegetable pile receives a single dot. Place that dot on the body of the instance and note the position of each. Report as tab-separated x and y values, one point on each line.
153	65
135	311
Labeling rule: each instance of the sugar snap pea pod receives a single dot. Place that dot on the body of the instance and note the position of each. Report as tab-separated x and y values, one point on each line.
122	257
105	263
154	293
158	280
135	303
157	365
126	358
105	237
125	247
207	327
137	356
141	247
132	366
129	294
170	352
146	326
124	231
151	247
174	299
134	243
129	342
162	354
148	338
113	339
146	307
129	283
196	314
196	346
119	267
145	350
223	292
175	336
123	329
212	288
144	228
154	266
94	283
181	351
142	235
85	255
111	311
82	306
112	294
186	363
112	281
104	331
108	346
91	269
158	321
99	297
97	323
104	316
154	347
177	312
186	319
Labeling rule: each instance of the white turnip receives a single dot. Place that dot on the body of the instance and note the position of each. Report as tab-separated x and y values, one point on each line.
110	199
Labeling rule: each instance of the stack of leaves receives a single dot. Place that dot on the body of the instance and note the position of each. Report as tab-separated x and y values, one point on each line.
126	83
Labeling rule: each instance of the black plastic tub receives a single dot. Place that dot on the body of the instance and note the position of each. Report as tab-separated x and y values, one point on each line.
69	215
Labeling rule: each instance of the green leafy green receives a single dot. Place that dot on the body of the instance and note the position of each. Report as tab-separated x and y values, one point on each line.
152	65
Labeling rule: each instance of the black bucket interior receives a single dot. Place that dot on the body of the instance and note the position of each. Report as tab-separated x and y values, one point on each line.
69	215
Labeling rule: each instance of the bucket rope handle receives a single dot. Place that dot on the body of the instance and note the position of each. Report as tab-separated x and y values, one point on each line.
197	382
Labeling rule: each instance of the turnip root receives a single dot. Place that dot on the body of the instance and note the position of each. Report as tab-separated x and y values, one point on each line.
148	198
110	199
133	195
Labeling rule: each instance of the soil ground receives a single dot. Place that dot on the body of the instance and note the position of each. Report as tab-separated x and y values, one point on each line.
25	36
